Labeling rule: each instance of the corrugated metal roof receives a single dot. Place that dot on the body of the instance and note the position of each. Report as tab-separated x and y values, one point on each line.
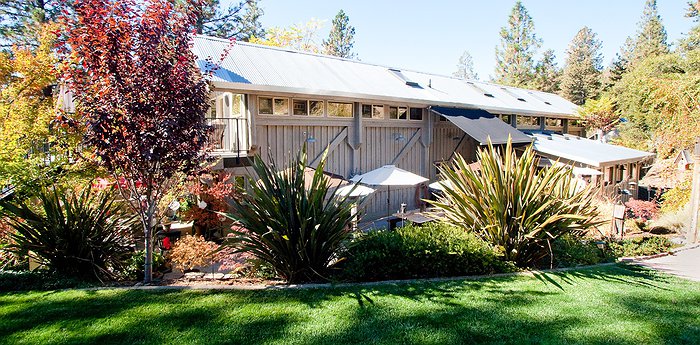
586	151
254	67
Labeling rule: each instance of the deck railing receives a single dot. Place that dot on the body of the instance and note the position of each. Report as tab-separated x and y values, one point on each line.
229	136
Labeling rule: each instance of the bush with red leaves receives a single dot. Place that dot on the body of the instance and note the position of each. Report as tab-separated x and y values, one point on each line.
640	209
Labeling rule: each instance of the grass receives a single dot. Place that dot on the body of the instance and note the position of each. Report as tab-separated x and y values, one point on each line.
607	305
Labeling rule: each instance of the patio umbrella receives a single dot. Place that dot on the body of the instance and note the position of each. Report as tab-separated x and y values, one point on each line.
440	185
359	190
389	175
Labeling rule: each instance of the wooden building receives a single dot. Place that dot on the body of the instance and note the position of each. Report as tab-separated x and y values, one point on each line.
273	100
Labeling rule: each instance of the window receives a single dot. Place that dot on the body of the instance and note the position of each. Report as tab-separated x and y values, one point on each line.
280	106
273	106
550	122
300	107
372	111
265	106
398	113
316	108
226	105
505	118
416	114
527	121
576	123
307	108
339	109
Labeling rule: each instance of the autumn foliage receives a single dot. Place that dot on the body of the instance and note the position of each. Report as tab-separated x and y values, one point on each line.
139	90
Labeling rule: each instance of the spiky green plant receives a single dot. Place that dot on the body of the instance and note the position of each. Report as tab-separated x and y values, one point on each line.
298	230
513	205
81	234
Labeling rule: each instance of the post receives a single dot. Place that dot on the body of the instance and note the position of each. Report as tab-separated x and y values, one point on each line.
692	236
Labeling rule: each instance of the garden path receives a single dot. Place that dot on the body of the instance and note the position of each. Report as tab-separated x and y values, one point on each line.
684	263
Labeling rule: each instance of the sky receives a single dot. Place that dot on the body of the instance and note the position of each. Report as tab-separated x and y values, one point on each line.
430	36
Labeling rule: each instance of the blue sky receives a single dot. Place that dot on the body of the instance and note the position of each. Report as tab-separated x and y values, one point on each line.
430	36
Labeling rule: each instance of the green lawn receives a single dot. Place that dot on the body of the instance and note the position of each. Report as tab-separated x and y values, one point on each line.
609	305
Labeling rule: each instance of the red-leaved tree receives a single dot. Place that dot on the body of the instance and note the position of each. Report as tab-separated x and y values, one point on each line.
141	94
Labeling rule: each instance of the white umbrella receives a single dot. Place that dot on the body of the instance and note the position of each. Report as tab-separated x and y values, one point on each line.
359	190
389	175
440	185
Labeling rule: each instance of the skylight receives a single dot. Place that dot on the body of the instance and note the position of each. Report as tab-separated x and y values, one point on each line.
397	73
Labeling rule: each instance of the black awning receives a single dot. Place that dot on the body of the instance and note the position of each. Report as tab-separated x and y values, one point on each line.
482	125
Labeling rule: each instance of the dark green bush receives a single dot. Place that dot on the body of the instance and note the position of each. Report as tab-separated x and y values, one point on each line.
433	250
641	246
570	251
38	280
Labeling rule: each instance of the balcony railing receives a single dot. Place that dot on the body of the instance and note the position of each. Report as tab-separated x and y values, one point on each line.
229	136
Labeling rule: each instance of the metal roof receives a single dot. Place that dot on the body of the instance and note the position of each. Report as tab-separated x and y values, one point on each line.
482	126
270	69
589	152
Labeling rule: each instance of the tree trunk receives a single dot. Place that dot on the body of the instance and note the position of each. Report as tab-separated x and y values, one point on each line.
149	225
148	266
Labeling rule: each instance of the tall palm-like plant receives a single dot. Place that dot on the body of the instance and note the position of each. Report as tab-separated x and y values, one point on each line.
298	230
80	234
513	205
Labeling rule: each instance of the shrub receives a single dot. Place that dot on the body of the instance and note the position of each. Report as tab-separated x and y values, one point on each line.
641	246
298	230
640	209
192	251
433	250
677	197
569	251
215	195
513	205
77	233
135	265
38	280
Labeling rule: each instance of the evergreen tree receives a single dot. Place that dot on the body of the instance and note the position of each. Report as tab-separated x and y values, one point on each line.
341	38
692	39
651	39
20	20
230	22
515	56
547	73
581	79
465	67
250	22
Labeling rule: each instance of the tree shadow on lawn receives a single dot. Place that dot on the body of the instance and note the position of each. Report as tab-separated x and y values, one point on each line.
482	311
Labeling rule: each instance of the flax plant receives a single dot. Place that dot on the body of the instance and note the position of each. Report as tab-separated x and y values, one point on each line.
514	205
297	230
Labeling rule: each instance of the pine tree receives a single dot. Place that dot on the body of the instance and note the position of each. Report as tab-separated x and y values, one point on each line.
230	22
515	56
341	38
547	73
465	67
581	79
692	39
21	20
651	39
250	22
